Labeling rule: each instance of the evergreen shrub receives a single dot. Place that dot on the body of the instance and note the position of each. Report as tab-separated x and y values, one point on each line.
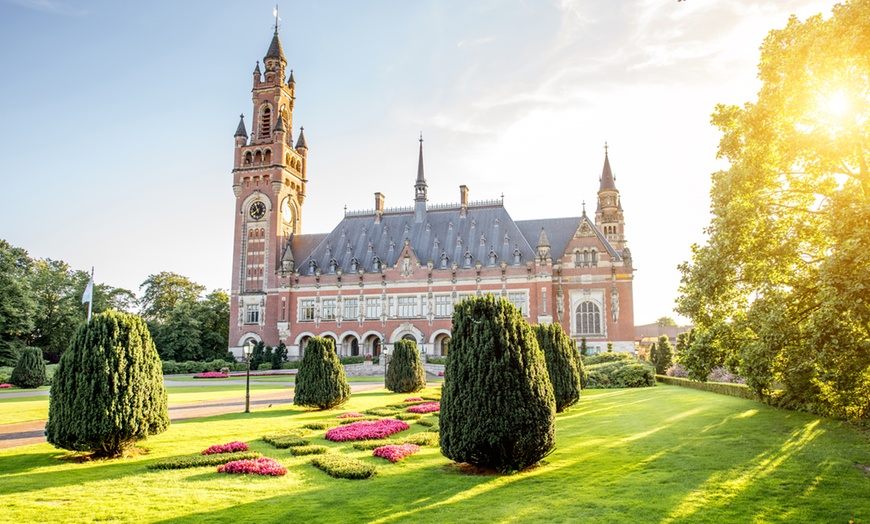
497	404
663	356
107	392
298	451
321	382
621	374
351	360
321	424
602	358
405	373
562	361
29	372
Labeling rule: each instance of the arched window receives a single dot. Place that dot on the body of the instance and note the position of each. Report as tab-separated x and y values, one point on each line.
445	346
594	257
588	318
258	157
267	157
354	347
248	158
518	257
266	122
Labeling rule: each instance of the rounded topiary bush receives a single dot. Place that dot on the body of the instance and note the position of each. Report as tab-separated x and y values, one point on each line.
29	372
562	363
107	392
405	373
320	381
497	404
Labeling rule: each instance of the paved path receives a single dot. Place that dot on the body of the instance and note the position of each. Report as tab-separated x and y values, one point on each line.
27	433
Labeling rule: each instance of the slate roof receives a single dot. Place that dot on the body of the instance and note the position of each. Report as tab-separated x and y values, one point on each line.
275	50
607	178
485	229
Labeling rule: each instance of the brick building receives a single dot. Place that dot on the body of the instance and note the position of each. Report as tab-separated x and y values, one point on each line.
390	273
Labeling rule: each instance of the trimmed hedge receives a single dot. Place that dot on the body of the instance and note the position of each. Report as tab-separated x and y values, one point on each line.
722	388
420	439
562	363
356	419
322	424
621	374
343	467
298	451
602	358
437	360
382	412
198	461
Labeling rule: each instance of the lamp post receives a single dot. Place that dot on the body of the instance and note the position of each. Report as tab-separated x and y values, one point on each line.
248	348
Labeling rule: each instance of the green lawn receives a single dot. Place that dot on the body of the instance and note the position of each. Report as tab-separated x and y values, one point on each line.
664	454
29	409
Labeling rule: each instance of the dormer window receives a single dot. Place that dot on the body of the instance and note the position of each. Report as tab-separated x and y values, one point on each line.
492	257
354	265
312	267
467	259
376	264
444	260
518	257
333	265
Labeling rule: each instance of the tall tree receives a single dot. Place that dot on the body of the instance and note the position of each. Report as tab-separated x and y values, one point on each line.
778	292
18	306
666	321
663	355
162	292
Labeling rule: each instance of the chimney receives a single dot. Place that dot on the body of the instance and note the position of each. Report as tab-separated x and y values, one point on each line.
379	207
463	200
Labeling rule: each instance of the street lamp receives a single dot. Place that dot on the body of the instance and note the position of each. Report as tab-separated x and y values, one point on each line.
248	348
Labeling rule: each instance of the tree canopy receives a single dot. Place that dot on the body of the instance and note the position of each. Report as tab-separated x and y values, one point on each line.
162	292
778	292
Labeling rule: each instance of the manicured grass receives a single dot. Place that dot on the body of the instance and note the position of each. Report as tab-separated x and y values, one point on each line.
29	409
664	454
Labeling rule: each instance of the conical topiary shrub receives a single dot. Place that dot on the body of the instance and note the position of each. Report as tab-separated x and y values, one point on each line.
405	372
29	372
562	363
320	381
497	404
107	392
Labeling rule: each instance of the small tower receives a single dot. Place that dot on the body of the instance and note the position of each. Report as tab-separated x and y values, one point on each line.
420	189
608	215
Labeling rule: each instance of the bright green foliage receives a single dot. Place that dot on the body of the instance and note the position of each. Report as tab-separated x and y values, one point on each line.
621	374
663	355
779	291
311	449
405	373
107	392
18	305
666	321
562	363
497	404
320	381
198	461
343	467
30	370
584	349
166	290
609	346
607	357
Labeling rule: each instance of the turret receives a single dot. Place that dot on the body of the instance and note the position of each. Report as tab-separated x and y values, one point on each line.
420	189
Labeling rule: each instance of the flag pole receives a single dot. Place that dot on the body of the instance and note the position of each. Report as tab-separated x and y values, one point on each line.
91	301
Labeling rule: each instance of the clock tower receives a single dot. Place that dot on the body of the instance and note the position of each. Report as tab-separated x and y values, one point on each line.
269	179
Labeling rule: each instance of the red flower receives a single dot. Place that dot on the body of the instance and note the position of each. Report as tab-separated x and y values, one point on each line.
395	453
366	430
428	407
260	466
231	447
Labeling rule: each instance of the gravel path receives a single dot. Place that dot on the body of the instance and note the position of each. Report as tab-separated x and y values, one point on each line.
27	433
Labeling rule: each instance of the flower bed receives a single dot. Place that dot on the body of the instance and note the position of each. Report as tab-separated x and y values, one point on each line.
352	414
366	430
395	453
261	466
5	386
210	374
428	407
413	399
197	461
230	447
343	467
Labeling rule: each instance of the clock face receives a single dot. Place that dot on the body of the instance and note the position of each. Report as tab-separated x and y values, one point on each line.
287	212
258	210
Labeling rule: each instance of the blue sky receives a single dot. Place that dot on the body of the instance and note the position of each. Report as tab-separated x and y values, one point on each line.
118	117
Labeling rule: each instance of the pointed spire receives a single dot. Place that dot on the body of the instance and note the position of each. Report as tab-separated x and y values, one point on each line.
300	144
257	69
279	125
240	130
543	241
275	50
607	179
421	179
291	81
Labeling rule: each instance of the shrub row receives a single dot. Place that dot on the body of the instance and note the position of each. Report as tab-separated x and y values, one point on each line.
197	461
171	367
287	442
621	374
602	358
408	416
299	451
382	412
343	467
357	419
437	360
321	424
723	388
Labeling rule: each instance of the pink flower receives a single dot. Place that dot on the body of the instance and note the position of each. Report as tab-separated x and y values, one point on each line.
5	386
395	453
413	399
260	466
352	414
210	374
440	373
366	430
427	407
231	447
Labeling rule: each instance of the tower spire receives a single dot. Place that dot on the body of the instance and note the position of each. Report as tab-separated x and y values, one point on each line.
420	188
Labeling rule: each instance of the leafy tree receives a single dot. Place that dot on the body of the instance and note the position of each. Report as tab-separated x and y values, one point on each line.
164	291
405	372
107	392
279	355
684	341
29	372
497	403
562	364
18	306
320	381
663	355
666	321
778	292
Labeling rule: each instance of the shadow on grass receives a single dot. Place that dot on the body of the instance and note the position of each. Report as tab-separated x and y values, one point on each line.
24	462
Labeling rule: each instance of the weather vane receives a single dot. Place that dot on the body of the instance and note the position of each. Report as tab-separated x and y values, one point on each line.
275	13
